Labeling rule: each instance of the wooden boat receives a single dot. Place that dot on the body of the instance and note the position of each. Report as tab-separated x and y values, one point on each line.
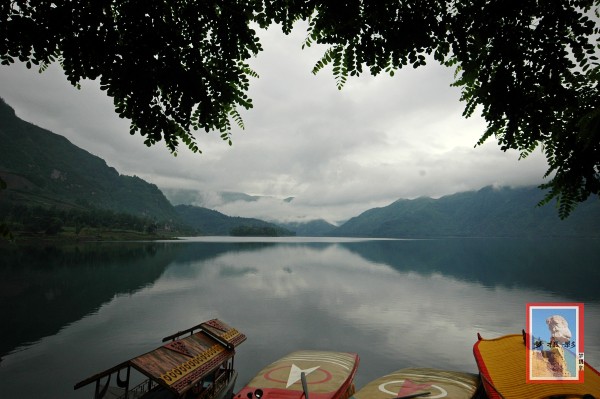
199	365
502	364
305	374
503	368
423	382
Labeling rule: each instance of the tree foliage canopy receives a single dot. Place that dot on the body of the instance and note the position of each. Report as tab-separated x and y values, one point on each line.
174	66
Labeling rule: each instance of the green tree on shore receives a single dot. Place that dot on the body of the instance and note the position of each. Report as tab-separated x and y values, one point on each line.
4	230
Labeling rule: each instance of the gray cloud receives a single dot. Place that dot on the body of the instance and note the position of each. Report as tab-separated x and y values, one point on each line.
338	152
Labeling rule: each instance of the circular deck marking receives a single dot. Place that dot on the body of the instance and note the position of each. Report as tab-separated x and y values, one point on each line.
383	388
327	375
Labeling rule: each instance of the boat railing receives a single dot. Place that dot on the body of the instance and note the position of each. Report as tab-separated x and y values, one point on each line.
148	385
139	390
216	386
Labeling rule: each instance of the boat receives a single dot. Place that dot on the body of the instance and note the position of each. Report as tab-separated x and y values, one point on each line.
194	363
503	362
305	374
423	382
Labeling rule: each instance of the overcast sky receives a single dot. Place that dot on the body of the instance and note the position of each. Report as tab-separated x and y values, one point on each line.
338	153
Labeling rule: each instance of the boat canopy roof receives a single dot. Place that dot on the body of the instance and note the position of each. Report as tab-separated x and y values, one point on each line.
179	364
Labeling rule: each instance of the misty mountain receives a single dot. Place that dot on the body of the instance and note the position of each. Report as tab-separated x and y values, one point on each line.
44	168
206	200
489	212
210	222
313	228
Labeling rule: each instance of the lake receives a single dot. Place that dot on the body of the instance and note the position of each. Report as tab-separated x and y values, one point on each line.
71	311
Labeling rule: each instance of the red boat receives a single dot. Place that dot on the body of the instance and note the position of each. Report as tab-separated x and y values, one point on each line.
305	374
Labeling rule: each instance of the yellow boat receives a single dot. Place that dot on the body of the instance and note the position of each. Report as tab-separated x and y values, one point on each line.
502	364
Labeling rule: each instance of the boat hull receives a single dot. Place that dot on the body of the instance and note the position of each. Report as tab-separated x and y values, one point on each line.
196	363
503	367
328	375
412	381
224	391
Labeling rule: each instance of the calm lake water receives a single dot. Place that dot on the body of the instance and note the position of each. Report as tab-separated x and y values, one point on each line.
72	311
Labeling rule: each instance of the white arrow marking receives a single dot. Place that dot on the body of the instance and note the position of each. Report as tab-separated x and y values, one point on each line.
295	372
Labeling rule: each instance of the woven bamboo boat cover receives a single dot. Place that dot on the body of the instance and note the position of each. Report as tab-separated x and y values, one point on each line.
502	364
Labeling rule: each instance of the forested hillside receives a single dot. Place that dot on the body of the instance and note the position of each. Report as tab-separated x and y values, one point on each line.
210	222
52	186
489	212
313	228
43	168
51	183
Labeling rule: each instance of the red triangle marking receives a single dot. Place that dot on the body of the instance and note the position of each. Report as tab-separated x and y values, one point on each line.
409	387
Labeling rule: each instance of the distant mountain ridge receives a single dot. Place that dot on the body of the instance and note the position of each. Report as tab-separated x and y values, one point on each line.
210	222
185	196
44	168
489	212
313	228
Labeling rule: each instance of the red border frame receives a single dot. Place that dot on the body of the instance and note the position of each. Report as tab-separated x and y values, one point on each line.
579	339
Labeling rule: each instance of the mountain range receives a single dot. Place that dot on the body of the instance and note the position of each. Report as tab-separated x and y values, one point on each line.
44	169
489	212
210	222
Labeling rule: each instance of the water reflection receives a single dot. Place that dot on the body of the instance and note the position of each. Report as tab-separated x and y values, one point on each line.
43	288
327	297
566	267
396	303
